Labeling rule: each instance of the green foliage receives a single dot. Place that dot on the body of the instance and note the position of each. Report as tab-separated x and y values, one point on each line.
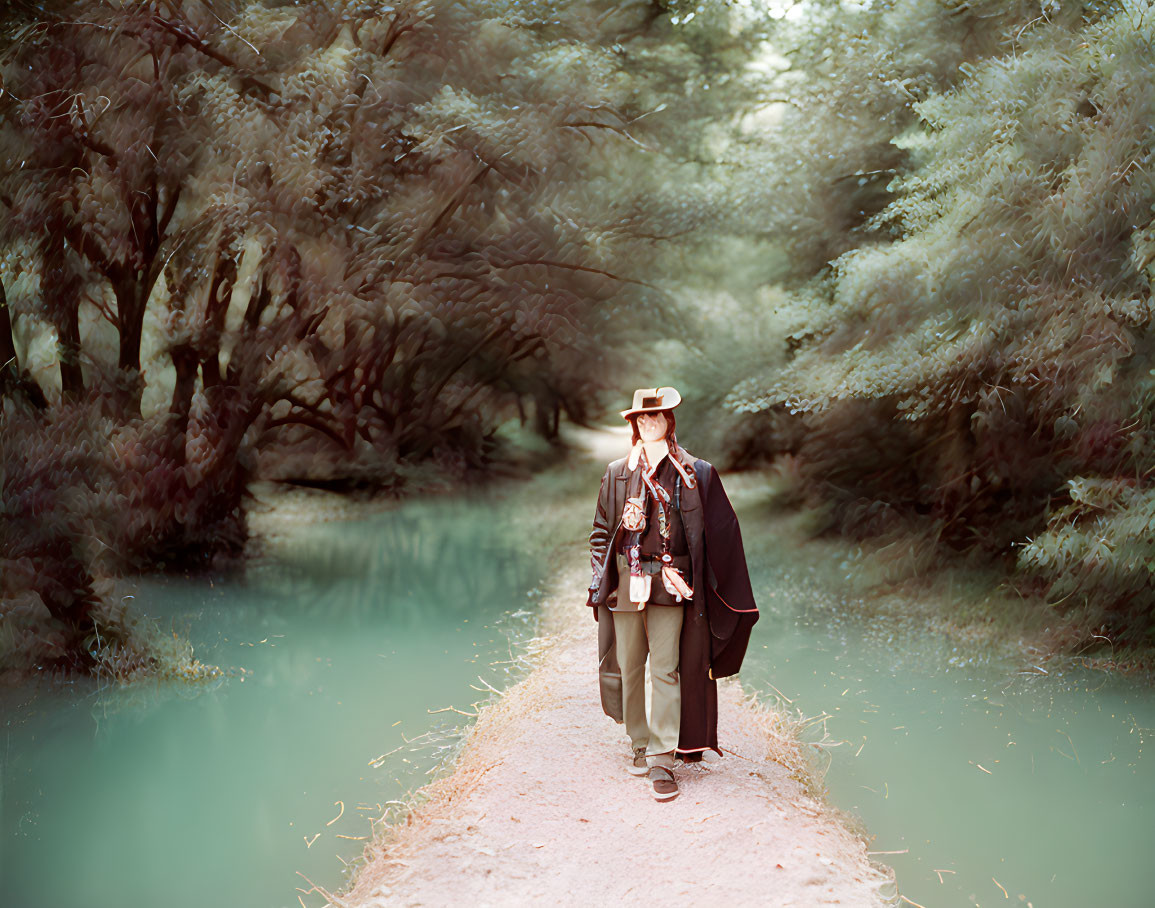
322	241
1099	550
983	338
807	159
841	84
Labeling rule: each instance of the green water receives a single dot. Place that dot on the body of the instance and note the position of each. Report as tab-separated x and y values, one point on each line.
964	761
171	795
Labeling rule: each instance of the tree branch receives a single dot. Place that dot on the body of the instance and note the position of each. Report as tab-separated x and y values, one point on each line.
311	422
186	35
547	263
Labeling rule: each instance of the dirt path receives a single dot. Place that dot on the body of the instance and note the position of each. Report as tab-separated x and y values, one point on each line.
540	810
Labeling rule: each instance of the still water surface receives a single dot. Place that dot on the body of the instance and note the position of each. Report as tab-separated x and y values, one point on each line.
996	784
182	796
982	774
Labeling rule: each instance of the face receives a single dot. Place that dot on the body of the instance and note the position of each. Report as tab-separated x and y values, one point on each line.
652	426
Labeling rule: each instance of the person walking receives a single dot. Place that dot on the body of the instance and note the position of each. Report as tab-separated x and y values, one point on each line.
670	583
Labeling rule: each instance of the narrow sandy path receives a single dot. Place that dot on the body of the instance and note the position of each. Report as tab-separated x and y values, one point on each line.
540	810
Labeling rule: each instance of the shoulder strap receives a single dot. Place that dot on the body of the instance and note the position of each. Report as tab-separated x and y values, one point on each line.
681	461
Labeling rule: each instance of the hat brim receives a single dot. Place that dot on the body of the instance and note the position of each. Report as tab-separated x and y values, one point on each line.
626	414
674	399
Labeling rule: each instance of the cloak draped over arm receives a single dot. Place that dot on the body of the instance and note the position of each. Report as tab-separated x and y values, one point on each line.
730	603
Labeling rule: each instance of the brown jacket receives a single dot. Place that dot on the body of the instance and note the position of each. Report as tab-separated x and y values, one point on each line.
717	621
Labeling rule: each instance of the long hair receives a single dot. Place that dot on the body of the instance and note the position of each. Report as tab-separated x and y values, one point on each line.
671	424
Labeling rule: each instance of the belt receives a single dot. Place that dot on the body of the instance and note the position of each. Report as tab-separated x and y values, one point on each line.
653	564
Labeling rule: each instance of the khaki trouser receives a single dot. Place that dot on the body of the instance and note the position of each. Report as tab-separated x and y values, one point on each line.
656	631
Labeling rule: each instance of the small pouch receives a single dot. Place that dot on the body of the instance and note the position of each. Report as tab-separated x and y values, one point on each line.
640	589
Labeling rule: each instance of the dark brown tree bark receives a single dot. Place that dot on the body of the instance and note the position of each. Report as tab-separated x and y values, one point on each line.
9	364
61	292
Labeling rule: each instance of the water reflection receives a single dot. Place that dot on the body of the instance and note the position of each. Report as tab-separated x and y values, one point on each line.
342	644
984	780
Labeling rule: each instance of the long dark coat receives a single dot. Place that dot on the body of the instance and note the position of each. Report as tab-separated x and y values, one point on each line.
717	622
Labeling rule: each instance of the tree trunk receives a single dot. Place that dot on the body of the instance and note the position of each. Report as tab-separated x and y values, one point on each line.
62	299
545	415
9	365
184	360
68	595
131	297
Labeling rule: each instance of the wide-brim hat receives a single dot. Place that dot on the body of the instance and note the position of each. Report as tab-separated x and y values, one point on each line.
651	400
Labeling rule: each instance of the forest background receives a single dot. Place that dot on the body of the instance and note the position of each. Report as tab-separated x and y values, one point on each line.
898	253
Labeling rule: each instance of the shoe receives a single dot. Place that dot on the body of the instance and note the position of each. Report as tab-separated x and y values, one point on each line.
662	784
638	767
